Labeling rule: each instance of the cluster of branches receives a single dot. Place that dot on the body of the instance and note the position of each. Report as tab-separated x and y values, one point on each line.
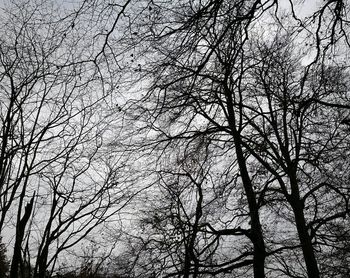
245	122
58	179
235	133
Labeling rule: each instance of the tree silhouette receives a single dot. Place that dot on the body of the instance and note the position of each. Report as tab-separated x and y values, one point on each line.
4	264
219	128
276	109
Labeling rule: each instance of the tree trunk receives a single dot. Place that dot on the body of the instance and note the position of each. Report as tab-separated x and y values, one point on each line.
305	240
16	258
43	261
256	230
256	235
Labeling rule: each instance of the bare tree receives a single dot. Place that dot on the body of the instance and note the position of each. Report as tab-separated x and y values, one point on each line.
235	136
56	182
263	101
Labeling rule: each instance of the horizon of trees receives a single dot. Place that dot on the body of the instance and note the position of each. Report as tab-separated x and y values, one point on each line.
174	139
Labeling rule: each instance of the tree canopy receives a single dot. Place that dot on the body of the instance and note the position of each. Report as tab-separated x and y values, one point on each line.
175	138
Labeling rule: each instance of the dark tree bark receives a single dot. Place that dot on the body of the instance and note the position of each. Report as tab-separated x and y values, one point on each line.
20	229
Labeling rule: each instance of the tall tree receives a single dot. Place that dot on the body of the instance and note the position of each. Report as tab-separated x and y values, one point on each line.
56	183
215	76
